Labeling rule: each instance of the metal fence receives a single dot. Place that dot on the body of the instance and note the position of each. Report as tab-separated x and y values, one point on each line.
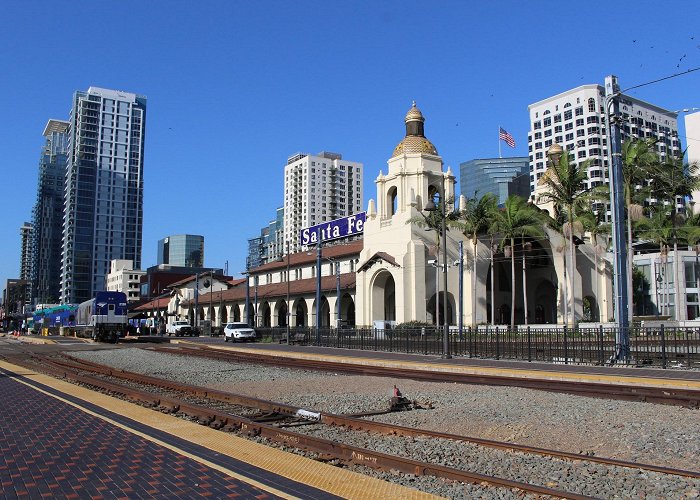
658	346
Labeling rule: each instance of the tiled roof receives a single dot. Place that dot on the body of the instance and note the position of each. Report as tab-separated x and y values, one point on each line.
219	277
297	287
304	258
159	303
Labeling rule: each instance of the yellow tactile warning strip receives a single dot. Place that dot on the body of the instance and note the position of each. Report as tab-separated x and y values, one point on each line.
325	477
479	370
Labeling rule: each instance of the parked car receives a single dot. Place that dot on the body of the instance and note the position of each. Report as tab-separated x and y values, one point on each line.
238	332
180	329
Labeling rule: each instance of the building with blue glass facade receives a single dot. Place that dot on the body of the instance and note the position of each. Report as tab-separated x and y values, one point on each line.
182	250
47	215
500	176
269	245
103	202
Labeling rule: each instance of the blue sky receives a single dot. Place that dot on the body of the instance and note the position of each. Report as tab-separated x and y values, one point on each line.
235	87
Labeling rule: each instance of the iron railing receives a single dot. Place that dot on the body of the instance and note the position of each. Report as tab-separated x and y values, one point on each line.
676	347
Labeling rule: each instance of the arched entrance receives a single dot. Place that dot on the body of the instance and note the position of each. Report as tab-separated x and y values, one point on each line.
325	312
347	311
430	310
282	313
590	309
266	315
300	312
383	297
546	303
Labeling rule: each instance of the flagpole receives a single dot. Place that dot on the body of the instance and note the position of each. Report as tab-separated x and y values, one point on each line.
499	142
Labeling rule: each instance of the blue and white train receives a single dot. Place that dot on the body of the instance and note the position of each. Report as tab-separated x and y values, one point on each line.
103	318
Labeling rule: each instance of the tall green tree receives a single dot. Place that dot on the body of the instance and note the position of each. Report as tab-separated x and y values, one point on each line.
673	182
475	219
594	224
658	229
517	219
432	221
639	160
565	186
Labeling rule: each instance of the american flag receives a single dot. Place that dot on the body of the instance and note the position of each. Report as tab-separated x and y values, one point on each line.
502	134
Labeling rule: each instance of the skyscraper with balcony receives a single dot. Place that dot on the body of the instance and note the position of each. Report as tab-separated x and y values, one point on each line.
575	119
47	216
25	263
103	202
318	188
182	250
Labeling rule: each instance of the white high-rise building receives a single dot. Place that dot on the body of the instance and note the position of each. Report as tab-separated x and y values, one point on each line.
103	202
319	189
692	135
575	119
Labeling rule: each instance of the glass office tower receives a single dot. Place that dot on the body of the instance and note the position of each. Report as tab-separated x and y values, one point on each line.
103	211
47	216
182	250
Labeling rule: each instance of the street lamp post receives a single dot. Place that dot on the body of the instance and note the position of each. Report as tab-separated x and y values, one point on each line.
211	307
659	279
429	207
247	297
461	289
196	302
336	265
318	289
289	314
255	304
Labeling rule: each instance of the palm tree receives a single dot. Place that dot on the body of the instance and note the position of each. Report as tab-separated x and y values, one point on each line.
674	180
565	186
638	159
595	225
516	219
474	220
658	229
433	222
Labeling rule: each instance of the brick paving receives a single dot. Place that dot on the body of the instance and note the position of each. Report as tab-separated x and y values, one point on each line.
49	449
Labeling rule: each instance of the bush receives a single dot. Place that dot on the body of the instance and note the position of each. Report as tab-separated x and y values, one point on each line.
413	325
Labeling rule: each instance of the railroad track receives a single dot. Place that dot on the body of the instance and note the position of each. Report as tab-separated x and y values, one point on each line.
273	421
688	398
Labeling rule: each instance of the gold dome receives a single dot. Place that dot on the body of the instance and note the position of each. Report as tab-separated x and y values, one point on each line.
414	114
415	141
414	144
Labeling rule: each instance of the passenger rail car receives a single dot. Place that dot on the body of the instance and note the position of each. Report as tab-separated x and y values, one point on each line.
103	318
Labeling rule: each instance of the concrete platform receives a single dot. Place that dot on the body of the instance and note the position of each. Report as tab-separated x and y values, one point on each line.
61	440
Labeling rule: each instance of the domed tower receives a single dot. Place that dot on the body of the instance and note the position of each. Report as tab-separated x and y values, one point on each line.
415	140
394	280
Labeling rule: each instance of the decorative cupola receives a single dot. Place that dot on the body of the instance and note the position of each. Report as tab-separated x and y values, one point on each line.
415	140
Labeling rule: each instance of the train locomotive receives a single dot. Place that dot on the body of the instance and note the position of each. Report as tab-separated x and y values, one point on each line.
103	318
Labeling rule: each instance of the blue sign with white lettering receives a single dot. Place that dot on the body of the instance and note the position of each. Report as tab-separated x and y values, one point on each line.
333	230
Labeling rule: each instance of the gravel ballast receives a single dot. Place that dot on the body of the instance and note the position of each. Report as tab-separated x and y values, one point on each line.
633	431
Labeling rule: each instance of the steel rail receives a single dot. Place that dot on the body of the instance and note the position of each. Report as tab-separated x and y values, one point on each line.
688	398
354	423
326	448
